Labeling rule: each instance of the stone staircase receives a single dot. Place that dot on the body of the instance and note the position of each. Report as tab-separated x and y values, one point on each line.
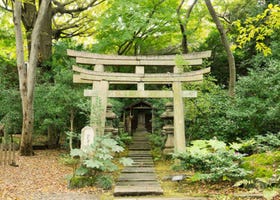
140	178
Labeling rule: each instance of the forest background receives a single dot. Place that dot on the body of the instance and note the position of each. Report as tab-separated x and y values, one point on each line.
157	27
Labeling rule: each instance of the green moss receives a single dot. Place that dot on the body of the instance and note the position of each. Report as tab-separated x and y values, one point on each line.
262	165
81	181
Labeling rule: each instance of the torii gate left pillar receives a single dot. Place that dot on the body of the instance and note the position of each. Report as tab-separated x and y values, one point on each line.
99	103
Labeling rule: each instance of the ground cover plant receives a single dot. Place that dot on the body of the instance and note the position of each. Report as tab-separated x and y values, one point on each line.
212	160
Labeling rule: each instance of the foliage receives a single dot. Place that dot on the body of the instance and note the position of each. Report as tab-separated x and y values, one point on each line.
81	181
97	159
123	139
212	160
254	111
263	165
134	26
265	171
105	181
57	99
7	42
258	144
259	28
72	139
157	140
182	64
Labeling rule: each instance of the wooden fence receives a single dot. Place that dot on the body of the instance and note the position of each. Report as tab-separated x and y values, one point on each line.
7	154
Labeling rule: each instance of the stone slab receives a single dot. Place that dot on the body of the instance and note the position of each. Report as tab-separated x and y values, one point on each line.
137	190
137	177
139	170
137	183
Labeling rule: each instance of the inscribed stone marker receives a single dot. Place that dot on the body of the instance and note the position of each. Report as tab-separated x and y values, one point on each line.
87	137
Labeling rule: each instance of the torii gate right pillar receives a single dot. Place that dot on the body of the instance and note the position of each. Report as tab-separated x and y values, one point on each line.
179	122
179	117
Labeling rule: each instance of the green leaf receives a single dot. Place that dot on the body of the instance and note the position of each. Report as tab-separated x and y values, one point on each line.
126	161
94	164
81	171
76	152
216	144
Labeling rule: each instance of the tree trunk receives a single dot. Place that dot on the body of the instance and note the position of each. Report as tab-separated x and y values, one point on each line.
29	16
27	74
53	137
231	61
183	25
46	37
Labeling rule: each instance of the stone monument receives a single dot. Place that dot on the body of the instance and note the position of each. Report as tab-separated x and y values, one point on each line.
87	137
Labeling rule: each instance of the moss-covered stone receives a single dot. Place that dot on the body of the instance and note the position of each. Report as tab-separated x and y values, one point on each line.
262	165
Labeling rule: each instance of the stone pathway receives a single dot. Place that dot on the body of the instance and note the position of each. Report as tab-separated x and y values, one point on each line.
140	178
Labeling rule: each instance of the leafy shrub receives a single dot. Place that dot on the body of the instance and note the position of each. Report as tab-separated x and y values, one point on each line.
97	159
212	160
105	181
258	144
157	139
254	111
269	142
123	139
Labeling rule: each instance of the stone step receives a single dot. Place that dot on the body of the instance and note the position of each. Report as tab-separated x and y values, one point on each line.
137	190
137	183
139	159
137	154
139	148
140	178
138	170
137	177
148	162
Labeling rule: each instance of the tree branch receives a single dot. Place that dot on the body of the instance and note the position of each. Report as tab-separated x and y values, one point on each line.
61	8
6	6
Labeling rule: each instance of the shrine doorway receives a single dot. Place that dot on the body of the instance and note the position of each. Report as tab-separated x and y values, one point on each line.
139	117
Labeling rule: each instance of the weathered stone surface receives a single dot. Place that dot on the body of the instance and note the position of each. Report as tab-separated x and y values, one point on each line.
138	183
138	190
140	178
137	177
87	137
138	170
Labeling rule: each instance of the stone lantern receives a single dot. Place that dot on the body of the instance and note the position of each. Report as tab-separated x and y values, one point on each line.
168	128
110	116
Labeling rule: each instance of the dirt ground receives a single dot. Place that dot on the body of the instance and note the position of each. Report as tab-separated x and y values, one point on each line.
41	176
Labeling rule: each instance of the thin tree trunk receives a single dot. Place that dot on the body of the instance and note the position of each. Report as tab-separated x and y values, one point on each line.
183	25
231	61
27	74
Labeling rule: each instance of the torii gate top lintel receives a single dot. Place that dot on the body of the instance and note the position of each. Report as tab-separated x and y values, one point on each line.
101	80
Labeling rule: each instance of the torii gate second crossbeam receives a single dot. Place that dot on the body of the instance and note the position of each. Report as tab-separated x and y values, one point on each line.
101	80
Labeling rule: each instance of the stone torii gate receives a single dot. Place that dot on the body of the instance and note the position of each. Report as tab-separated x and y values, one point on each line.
100	80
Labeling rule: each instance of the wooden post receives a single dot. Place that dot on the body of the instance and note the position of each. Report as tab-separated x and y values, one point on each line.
14	154
179	122
1	154
5	154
